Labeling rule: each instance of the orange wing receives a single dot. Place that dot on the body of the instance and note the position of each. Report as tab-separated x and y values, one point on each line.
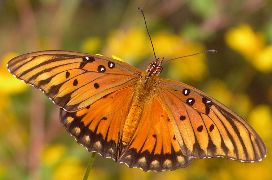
154	146
207	128
99	127
72	80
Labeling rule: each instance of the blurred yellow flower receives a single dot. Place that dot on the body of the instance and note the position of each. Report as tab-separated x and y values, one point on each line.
190	69
251	171
69	168
244	40
8	83
260	118
252	46
53	154
3	170
239	103
133	174
91	45
263	60
222	174
219	91
131	45
169	45
242	104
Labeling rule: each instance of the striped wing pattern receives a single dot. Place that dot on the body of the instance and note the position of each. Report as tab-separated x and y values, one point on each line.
207	128
72	80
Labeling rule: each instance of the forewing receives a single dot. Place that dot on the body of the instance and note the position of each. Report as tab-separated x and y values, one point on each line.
207	128
72	80
154	146
99	126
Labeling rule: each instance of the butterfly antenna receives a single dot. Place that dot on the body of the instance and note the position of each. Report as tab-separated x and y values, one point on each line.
202	52
140	9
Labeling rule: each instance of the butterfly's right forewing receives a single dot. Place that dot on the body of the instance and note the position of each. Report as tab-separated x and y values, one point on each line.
207	128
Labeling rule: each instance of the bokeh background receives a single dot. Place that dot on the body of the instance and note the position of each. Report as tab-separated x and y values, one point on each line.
33	143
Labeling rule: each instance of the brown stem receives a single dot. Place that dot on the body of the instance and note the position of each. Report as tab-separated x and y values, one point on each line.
36	134
52	130
27	23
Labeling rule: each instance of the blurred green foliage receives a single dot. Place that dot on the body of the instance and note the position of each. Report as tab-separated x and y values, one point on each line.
33	143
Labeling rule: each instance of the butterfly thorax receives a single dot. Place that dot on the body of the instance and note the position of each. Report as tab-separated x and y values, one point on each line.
155	68
145	90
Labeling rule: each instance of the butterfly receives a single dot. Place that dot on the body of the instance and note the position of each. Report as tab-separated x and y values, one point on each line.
136	117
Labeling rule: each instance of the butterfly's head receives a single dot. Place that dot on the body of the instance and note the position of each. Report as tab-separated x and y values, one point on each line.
155	67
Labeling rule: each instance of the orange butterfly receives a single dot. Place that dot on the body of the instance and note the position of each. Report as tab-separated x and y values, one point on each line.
136	117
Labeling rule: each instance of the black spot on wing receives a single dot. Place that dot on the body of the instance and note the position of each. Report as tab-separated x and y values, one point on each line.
200	128
190	101
211	128
75	82
67	74
96	85
86	60
186	92
101	69
111	64
182	118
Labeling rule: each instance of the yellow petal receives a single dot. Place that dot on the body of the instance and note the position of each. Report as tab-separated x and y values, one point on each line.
244	40
260	118
70	168
8	83
91	45
53	154
263	61
131	45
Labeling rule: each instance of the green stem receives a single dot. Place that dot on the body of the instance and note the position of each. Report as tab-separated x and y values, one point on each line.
89	167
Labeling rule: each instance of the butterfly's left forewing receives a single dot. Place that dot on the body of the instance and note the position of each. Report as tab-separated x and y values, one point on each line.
207	128
72	80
